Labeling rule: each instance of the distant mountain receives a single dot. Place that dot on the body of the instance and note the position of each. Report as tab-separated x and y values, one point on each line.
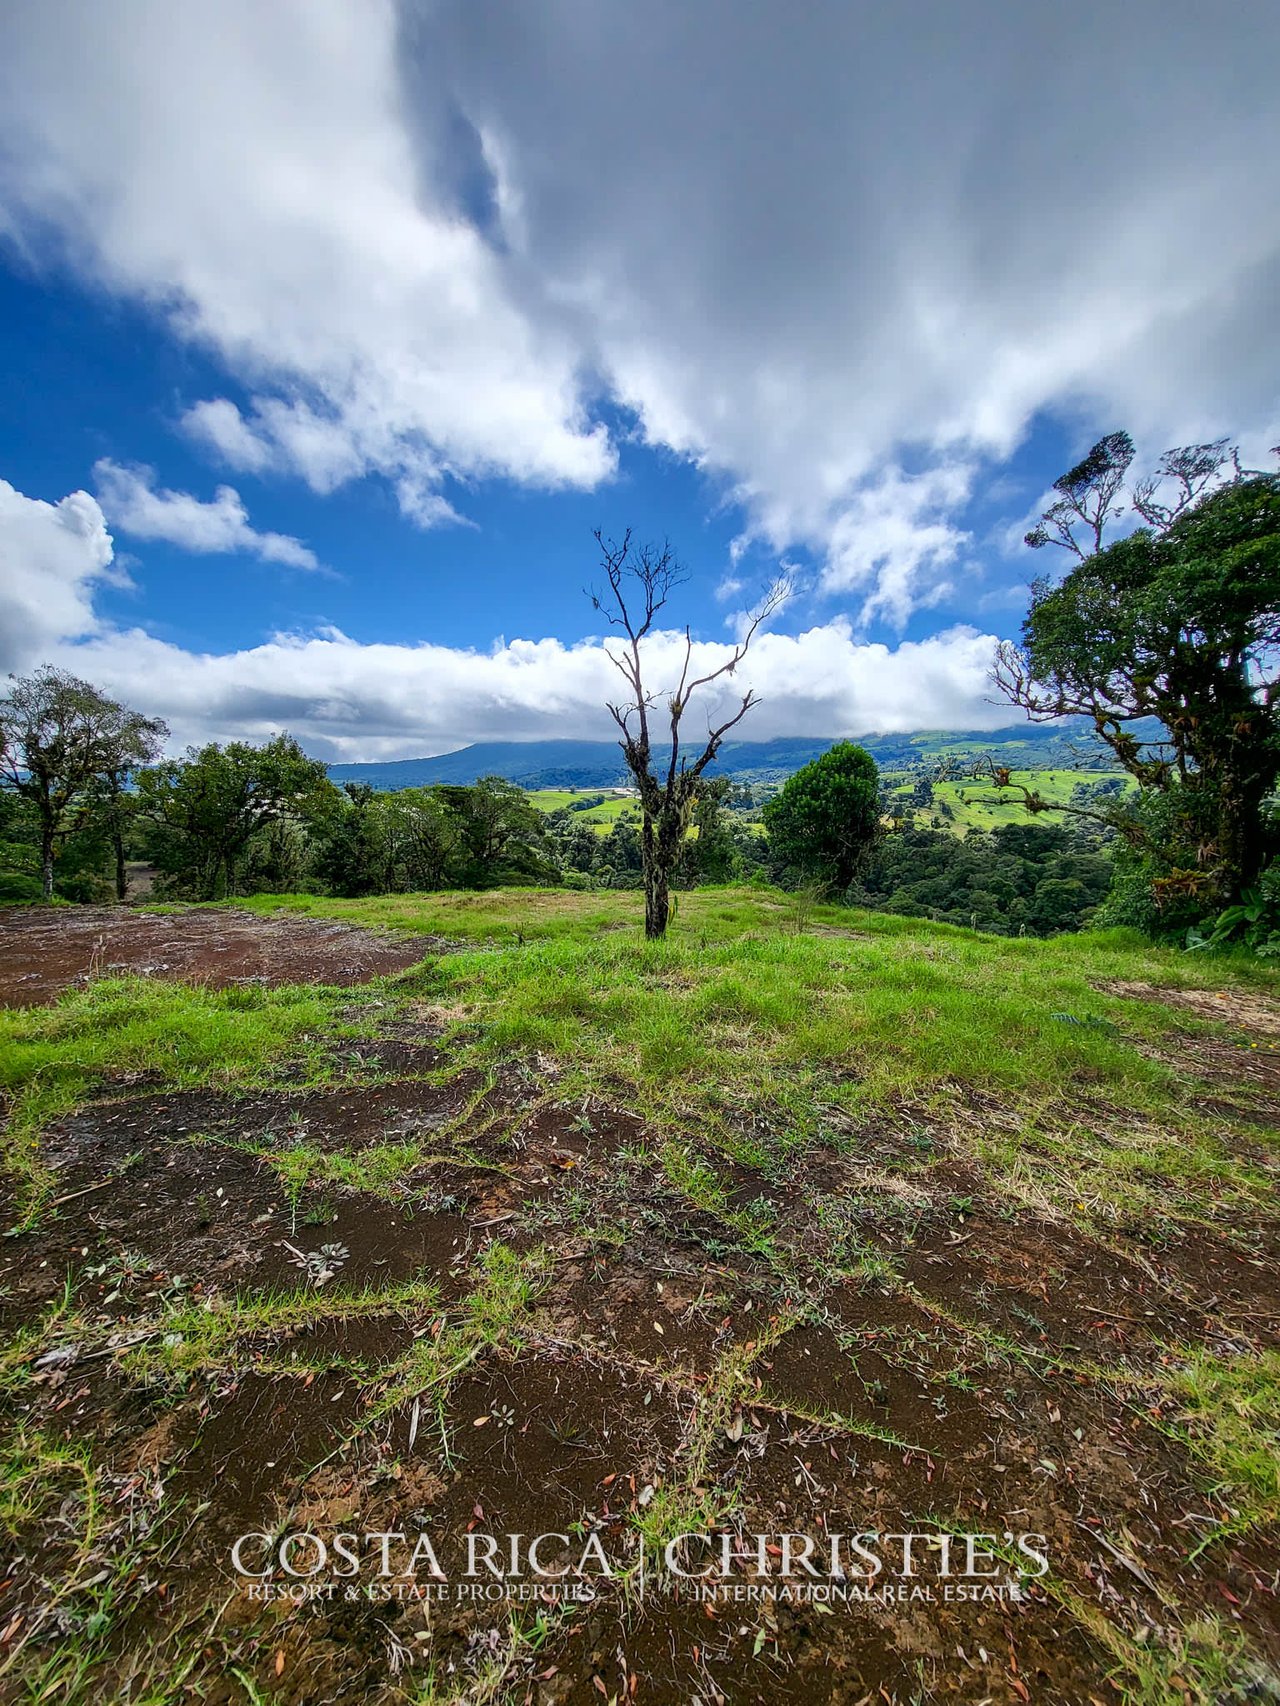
598	764
533	764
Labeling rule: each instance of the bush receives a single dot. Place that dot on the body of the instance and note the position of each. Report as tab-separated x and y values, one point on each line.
18	888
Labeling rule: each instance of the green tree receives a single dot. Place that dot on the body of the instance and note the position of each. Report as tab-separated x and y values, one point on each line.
710	854
1179	621
621	858
576	846
504	835
824	822
423	838
206	808
137	741
58	737
346	844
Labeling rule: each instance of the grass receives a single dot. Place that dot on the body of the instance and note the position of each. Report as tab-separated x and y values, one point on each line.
978	804
601	818
205	1335
1231	1413
119	1032
752	1027
758	1030
820	1034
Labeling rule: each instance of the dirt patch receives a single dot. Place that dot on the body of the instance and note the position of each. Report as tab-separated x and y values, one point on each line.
400	1304
651	1315
44	950
1045	1285
1243	1009
160	1197
1247	1063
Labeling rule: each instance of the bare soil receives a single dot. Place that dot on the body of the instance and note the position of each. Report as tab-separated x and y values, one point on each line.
44	950
996	1376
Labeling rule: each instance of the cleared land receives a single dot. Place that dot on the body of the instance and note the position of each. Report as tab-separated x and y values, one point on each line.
800	1220
601	818
977	804
44	952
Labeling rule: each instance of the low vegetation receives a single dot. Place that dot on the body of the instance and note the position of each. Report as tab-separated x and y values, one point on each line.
749	1165
802	1215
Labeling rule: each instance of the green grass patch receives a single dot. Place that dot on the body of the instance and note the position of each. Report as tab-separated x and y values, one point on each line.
1231	1413
119	1033
757	1025
976	803
601	818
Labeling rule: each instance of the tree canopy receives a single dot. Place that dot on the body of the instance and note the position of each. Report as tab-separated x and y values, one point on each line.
824	822
59	736
1179	621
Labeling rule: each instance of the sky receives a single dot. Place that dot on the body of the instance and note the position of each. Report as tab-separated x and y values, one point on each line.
331	330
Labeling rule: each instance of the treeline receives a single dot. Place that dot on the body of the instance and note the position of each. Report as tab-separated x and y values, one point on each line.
87	797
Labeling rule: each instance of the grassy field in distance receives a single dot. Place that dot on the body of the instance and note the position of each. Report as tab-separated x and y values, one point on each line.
601	818
977	804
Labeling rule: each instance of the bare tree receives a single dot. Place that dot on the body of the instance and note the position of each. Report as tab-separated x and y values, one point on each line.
640	580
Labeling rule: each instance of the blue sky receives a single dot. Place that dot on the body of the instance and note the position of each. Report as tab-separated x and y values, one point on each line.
349	327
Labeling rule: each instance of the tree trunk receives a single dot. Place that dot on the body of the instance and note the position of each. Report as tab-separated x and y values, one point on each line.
46	863
122	876
1239	839
657	901
114	782
659	851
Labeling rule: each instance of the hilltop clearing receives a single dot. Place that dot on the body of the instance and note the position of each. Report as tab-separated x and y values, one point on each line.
803	1221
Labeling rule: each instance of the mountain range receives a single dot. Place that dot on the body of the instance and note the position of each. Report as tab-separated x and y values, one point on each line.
598	764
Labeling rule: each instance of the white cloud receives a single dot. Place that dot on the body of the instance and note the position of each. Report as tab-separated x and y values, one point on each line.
134	506
284	436
893	537
350	701
248	170
347	700
811	249
52	556
218	425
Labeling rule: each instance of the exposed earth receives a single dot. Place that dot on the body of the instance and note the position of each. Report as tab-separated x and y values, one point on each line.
413	1298
45	950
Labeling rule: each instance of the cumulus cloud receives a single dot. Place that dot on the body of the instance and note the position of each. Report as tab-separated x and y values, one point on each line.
348	700
281	436
52	556
859	240
248	168
893	537
833	255
135	506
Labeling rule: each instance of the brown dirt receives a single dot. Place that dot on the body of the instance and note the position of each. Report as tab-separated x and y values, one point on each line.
1237	1007
44	950
1001	1373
